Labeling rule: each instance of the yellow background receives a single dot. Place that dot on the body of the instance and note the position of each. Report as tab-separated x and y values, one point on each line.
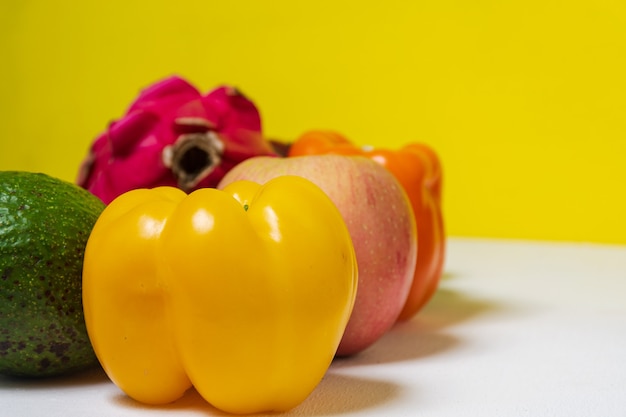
524	100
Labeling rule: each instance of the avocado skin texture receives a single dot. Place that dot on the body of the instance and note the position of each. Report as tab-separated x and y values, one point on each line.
44	226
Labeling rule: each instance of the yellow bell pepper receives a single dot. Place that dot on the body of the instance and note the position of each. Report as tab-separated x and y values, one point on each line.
243	293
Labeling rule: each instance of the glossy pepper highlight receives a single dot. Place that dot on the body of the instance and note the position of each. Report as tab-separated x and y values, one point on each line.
243	293
418	169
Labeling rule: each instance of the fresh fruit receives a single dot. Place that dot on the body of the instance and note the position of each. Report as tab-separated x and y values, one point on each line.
418	169
244	293
173	135
380	220
44	226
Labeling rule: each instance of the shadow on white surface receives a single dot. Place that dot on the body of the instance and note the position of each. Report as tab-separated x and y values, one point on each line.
339	394
449	307
191	401
425	334
91	376
336	394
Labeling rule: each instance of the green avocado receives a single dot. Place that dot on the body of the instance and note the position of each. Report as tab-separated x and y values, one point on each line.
44	226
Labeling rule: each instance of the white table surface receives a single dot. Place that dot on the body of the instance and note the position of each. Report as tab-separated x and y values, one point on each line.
516	329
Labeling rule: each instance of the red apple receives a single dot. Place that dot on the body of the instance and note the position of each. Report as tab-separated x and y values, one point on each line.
381	223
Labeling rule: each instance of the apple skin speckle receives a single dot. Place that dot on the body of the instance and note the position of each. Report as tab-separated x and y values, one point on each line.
381	223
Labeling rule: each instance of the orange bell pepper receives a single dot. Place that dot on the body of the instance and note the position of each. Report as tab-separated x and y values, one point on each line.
418	169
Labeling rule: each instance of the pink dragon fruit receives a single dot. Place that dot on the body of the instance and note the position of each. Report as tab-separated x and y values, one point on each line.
173	135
